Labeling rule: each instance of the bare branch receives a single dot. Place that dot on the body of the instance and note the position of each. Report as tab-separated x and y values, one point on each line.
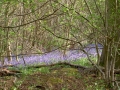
42	18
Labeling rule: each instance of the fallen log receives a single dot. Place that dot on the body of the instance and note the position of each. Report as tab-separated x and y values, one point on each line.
59	63
82	69
79	67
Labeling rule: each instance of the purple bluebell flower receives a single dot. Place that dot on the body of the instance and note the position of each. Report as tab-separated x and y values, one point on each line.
54	57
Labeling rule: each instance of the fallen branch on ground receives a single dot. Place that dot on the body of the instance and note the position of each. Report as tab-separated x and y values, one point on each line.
7	72
79	67
82	69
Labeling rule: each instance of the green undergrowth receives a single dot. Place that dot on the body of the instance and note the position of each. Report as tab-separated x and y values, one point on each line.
63	78
84	61
57	77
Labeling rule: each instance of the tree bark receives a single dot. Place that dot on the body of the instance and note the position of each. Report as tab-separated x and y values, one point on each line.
110	57
112	35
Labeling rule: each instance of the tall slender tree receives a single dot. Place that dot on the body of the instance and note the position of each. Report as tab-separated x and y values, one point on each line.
110	57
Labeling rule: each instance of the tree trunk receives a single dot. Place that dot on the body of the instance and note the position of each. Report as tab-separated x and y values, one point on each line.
112	35
110	57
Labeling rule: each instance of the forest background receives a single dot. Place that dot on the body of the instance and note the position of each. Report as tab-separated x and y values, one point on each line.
39	26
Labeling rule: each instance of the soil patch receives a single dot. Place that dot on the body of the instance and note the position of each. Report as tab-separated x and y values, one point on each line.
60	79
56	78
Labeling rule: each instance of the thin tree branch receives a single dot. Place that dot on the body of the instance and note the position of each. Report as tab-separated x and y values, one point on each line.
42	18
34	10
99	12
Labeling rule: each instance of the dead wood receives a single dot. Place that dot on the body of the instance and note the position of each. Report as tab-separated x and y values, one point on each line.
82	69
60	63
6	72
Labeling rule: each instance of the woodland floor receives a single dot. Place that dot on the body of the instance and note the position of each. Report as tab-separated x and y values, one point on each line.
53	78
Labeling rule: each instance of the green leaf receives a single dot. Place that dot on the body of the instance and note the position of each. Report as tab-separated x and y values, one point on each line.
42	0
64	9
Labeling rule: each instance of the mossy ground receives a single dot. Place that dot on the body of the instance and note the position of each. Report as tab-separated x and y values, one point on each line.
49	78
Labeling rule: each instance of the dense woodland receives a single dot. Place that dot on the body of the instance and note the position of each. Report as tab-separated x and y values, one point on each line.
29	27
